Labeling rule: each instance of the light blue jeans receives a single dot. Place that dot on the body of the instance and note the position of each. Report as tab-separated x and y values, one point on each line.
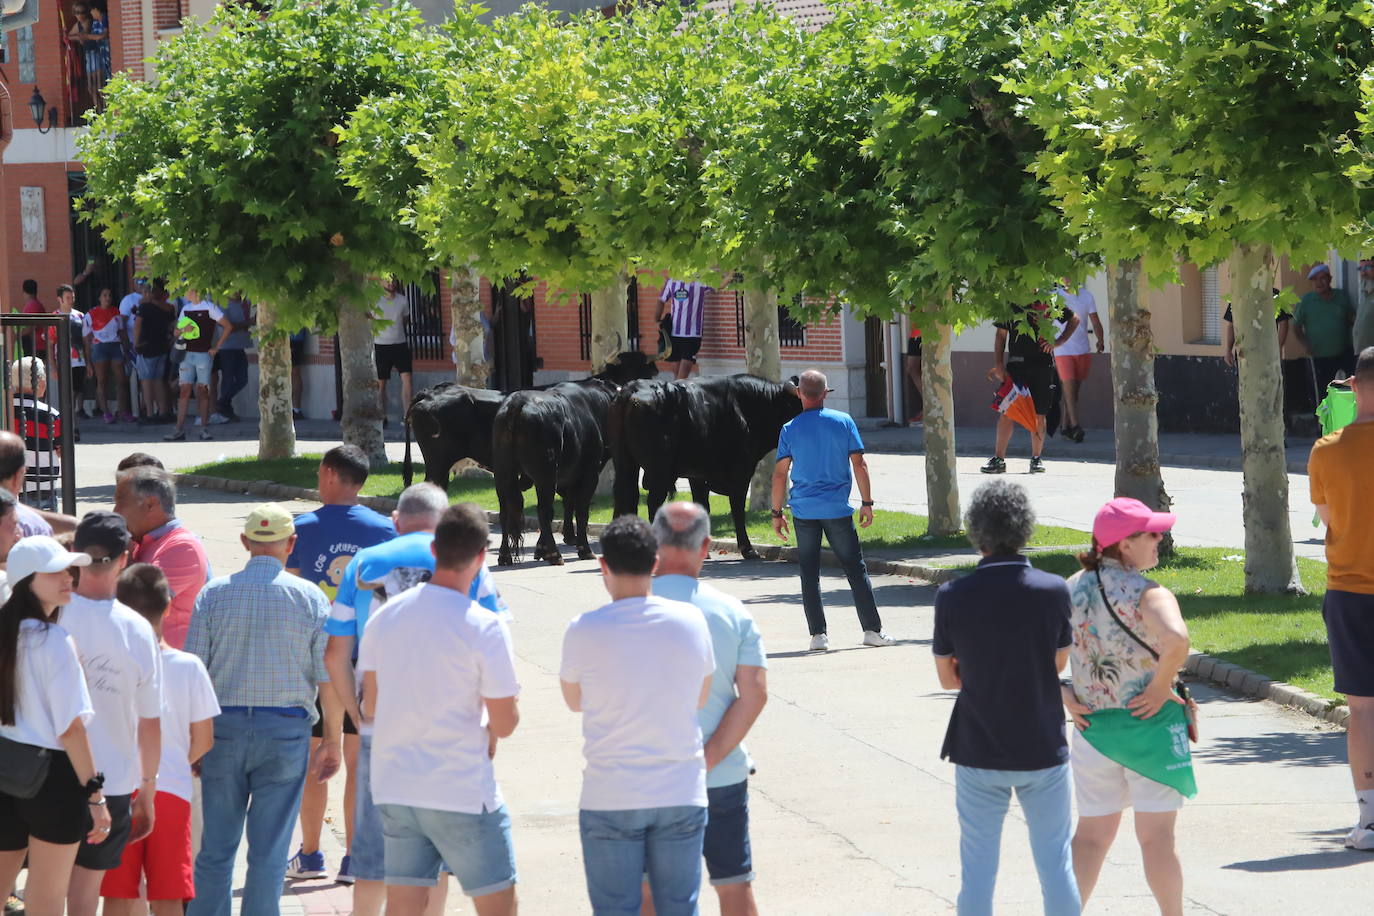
620	848
254	773
982	798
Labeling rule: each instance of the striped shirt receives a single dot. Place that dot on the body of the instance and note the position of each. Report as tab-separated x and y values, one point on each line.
689	306
260	633
41	427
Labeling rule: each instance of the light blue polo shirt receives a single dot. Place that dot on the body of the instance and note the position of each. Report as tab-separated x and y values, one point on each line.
735	641
819	441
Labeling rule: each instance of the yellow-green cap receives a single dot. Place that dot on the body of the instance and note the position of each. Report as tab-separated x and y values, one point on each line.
269	523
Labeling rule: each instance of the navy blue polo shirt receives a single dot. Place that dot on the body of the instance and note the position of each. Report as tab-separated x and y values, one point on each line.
1004	622
819	441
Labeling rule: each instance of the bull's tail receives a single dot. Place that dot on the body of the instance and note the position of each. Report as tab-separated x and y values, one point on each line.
407	469
510	501
626	487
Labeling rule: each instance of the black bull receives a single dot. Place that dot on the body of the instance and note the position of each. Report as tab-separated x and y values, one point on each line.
712	431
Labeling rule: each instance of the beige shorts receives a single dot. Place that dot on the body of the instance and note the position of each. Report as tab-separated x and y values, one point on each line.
1102	786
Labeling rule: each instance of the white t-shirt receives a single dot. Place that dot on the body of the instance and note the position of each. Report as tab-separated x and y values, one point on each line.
126	312
187	696
437	655
641	663
51	689
1083	305
4	586
393	309
123	666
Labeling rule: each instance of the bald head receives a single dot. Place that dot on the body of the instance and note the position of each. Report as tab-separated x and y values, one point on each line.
683	531
11	462
1362	382
813	385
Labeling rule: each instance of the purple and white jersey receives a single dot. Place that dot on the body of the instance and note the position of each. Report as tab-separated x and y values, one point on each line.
689	306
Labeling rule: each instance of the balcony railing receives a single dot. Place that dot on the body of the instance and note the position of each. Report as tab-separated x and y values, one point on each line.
85	44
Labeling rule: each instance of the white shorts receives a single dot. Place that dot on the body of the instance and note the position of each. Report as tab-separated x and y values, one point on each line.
1102	786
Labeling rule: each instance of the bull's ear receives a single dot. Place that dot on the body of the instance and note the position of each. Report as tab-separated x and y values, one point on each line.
792	382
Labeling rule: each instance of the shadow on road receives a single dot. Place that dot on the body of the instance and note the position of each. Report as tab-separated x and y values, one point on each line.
1316	749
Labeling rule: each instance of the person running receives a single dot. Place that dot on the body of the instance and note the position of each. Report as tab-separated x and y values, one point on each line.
104	333
1342	490
1073	358
260	633
1130	746
147	498
326	541
196	331
119	654
739	690
45	704
820	448
1024	350
161	861
639	669
1001	638
682	306
435	664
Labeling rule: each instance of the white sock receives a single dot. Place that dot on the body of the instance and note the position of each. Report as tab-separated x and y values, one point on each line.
1365	799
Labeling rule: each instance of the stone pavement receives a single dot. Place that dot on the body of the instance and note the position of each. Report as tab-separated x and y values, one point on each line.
853	810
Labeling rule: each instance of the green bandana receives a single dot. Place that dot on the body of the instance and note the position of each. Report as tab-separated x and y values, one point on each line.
1156	748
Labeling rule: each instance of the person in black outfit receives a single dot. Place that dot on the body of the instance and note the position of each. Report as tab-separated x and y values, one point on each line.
1028	357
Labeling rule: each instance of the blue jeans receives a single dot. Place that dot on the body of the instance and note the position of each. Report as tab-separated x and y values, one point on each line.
982	798
254	772
620	847
233	366
844	541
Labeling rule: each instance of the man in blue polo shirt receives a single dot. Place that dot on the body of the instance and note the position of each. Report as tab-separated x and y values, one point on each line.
819	448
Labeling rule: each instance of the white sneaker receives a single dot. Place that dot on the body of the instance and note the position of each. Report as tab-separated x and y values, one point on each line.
218	418
198	423
878	639
820	643
1361	838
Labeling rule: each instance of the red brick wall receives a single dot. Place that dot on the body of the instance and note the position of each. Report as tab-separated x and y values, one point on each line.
166	14
53	266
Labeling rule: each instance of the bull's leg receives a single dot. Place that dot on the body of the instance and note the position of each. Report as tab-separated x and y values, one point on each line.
738	504
625	491
701	493
512	505
658	494
584	509
547	548
569	523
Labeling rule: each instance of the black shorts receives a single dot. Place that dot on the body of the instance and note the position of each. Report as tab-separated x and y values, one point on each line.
913	347
317	730
1349	620
297	352
726	845
57	814
106	854
1039	380
391	356
685	348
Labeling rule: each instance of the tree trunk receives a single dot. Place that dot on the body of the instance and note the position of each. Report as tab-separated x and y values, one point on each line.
762	357
610	326
465	308
276	428
937	391
1270	564
1138	473
362	415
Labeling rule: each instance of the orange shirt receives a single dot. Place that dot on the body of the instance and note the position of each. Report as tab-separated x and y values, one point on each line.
1341	474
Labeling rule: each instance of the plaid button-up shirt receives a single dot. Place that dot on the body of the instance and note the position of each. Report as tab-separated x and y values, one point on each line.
261	635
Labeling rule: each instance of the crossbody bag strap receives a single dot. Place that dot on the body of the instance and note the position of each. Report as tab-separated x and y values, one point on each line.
1179	686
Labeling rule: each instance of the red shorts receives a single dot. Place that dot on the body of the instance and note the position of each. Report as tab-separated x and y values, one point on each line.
164	856
1074	367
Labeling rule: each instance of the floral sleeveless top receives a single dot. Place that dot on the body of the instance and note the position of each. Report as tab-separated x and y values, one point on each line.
1109	667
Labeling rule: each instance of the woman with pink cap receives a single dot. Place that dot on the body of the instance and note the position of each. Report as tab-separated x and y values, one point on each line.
1131	744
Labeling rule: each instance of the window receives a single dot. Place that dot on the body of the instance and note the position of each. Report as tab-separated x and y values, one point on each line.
791	332
23	40
425	329
1211	307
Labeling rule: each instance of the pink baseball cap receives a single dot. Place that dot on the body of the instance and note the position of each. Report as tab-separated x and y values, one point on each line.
1123	517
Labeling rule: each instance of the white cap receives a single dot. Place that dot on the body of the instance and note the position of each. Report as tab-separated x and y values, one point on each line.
41	553
1319	269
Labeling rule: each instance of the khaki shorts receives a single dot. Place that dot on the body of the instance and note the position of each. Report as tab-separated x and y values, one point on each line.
1102	786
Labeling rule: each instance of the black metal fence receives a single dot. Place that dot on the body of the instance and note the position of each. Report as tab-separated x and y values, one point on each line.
37	359
584	320
791	332
425	330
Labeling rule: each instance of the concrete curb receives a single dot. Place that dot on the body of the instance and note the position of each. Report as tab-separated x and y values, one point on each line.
1204	667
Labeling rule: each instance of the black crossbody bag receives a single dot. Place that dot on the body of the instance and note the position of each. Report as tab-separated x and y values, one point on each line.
1180	688
23	768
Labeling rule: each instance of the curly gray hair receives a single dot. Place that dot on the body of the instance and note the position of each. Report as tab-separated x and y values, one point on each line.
1000	519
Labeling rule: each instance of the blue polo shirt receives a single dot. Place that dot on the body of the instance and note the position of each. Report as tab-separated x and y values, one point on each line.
1004	622
819	441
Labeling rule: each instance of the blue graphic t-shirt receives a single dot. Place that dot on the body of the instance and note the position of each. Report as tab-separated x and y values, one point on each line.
327	539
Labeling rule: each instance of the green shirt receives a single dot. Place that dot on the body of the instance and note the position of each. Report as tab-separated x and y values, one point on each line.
1326	322
1364	327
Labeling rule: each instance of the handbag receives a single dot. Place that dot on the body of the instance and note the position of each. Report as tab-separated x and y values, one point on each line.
1180	688
23	768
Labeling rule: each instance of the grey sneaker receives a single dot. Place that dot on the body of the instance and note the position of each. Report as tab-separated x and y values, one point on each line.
878	639
820	643
1037	466
995	465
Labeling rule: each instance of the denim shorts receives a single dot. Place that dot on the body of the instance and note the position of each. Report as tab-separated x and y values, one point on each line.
107	351
151	368
195	368
477	846
726	845
367	854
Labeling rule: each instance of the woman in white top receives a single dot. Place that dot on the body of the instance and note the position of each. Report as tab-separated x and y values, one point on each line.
44	703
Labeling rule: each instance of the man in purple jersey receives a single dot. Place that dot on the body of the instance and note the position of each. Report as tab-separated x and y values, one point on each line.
687	304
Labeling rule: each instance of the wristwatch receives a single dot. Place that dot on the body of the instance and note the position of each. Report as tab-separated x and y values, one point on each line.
777	513
867	502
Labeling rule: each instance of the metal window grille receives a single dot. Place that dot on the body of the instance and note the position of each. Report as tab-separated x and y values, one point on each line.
425	329
791	332
584	325
1211	306
632	315
49	436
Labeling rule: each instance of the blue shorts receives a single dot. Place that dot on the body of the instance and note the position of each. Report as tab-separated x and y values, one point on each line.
367	855
477	846
107	351
1349	620
726	846
195	368
151	368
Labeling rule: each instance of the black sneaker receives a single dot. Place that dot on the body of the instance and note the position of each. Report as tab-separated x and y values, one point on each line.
995	465
1076	434
1037	466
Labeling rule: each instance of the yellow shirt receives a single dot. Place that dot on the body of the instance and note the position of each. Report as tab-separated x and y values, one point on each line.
1341	473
